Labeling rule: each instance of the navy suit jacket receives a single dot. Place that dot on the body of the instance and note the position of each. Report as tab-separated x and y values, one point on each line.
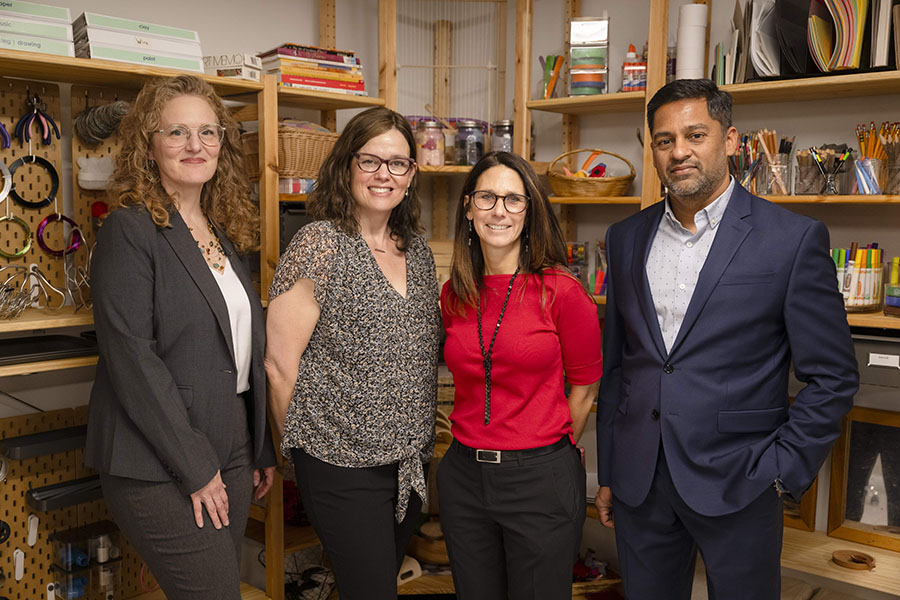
766	297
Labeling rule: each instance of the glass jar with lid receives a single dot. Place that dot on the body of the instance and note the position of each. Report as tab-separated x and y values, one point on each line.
501	136
429	144
469	142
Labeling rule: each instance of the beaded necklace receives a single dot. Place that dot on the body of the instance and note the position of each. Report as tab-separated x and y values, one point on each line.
213	252
486	356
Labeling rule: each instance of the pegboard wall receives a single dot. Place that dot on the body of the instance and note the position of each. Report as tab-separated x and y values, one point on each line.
45	470
82	199
32	181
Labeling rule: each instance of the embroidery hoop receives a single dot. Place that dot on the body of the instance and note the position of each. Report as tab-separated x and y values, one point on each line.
54	181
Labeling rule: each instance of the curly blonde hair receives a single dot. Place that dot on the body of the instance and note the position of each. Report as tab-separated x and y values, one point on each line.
225	199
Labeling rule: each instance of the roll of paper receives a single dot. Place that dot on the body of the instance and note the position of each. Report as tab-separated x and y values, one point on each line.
691	52
692	15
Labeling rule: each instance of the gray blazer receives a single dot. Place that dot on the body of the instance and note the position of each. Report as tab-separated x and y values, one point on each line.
162	406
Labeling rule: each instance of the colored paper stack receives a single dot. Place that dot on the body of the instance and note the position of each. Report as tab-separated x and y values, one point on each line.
33	27
138	42
835	33
588	55
236	66
314	68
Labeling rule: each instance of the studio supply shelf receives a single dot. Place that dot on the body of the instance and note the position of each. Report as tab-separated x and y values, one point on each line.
47	442
849	199
825	87
573	200
444	169
36	318
64	494
299	98
591	105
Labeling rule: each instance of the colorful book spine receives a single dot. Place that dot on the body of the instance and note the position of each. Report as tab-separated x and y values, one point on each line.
323	56
317	88
321	74
307	65
320	82
237	59
308	48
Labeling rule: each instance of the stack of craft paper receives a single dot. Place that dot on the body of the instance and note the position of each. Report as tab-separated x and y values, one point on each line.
764	50
836	30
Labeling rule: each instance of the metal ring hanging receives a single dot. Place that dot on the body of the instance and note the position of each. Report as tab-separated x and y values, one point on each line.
28	236
54	181
76	235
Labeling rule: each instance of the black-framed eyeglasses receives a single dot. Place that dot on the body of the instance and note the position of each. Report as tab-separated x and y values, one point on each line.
485	200
369	163
177	135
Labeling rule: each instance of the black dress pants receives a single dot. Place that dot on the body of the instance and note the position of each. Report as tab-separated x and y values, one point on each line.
513	529
352	511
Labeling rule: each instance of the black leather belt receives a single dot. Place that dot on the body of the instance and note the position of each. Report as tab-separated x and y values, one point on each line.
502	456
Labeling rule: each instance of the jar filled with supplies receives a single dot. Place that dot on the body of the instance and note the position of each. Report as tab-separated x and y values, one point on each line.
429	143
501	136
469	142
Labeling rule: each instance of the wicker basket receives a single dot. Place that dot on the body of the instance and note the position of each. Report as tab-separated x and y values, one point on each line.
566	185
300	151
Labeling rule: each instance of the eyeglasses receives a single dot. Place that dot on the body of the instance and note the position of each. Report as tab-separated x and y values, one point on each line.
485	200
369	163
177	135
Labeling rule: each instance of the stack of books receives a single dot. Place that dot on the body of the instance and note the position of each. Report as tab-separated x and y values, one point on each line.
126	40
36	27
315	68
235	66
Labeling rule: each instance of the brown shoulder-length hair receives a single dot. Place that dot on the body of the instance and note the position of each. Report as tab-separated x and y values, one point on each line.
332	198
225	198
541	244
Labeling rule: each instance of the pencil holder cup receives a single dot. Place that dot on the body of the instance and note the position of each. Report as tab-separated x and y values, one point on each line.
863	288
869	176
775	176
892	179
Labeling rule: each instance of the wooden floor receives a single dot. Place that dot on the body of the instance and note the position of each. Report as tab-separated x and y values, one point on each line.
248	592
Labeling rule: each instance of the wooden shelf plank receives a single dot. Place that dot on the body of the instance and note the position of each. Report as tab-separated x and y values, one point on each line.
295	538
324	100
47	365
428	584
810	552
91	71
585	105
595	199
292	197
248	592
444	169
35	318
854	85
873	319
850	199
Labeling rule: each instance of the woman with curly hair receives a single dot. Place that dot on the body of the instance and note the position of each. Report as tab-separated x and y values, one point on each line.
177	419
353	329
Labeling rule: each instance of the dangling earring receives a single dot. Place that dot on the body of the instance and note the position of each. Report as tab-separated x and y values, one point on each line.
470	233
406	193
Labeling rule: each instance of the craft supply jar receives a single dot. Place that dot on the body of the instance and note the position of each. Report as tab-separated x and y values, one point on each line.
862	288
871	172
429	144
775	176
469	142
502	136
809	180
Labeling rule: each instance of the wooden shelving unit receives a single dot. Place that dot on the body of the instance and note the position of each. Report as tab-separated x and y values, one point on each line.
822	87
852	199
298	98
248	592
444	169
591	105
34	318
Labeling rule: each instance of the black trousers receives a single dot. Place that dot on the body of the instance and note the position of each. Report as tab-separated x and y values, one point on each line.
352	511
658	543
190	563
513	529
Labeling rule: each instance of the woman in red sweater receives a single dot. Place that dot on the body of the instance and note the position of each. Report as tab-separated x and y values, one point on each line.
512	484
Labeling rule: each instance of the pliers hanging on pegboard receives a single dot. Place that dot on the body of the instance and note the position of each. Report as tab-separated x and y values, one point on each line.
38	113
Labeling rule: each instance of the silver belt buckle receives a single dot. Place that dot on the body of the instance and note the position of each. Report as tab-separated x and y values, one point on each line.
487	456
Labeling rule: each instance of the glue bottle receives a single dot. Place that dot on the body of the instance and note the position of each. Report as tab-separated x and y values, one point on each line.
634	72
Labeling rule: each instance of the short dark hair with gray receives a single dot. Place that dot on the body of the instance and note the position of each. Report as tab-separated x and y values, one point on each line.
718	102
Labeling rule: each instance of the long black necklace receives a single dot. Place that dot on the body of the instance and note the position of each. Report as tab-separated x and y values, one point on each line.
486	356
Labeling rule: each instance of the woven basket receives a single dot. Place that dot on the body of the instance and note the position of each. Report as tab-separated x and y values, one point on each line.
300	151
566	185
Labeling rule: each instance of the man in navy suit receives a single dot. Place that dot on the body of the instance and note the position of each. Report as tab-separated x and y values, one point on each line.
713	294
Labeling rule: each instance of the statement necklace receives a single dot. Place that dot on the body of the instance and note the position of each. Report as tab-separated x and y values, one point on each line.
213	252
486	356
